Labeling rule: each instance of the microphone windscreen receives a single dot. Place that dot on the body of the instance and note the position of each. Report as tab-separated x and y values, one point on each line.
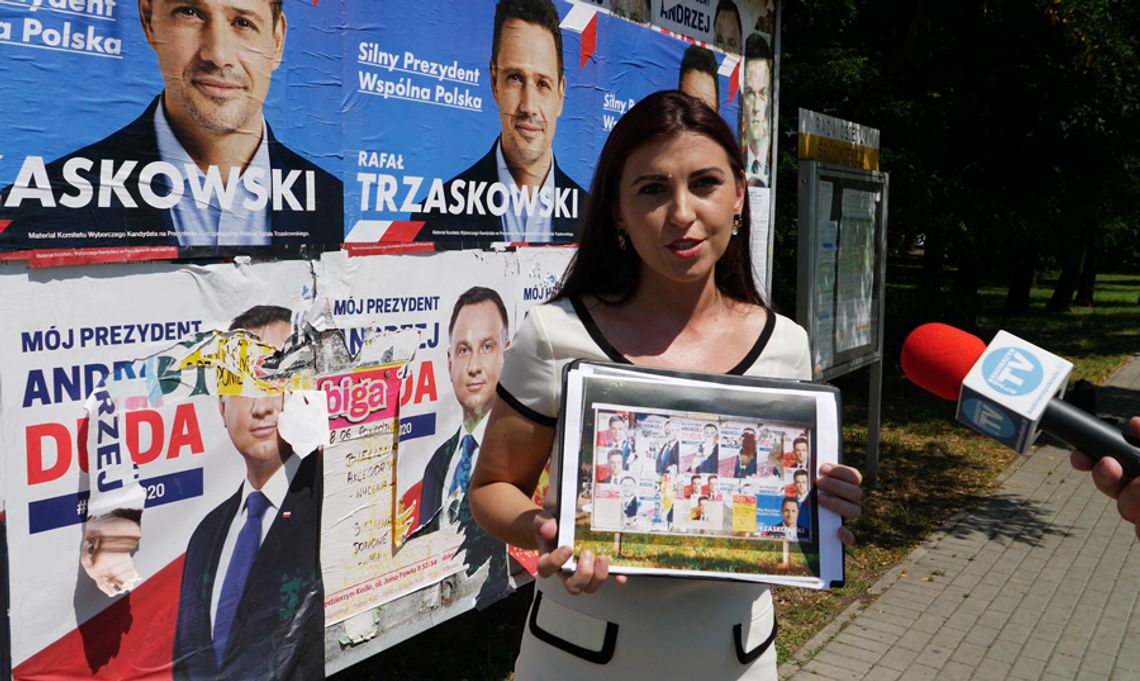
936	357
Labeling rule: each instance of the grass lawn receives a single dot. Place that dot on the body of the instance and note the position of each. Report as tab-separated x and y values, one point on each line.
929	469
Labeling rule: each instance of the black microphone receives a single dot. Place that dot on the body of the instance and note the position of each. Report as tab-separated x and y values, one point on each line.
1006	392
1092	436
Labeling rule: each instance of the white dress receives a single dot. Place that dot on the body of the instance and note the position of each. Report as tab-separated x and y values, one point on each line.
651	627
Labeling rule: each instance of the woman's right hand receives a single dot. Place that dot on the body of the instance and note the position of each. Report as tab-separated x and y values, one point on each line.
591	572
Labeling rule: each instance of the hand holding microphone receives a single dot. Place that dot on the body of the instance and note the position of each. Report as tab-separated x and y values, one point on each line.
1109	478
1010	389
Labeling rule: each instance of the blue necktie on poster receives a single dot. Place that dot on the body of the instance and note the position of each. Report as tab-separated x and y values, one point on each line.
463	473
245	550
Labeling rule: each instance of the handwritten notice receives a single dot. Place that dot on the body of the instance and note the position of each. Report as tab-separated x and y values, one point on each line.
360	566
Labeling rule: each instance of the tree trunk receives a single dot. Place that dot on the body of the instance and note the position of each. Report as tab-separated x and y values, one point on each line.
1062	300
1086	283
1023	280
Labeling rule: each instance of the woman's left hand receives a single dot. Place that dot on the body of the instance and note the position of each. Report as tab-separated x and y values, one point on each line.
840	490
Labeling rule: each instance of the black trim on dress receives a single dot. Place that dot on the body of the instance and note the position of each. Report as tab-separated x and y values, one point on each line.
758	347
750	656
612	352
603	656
517	405
595	332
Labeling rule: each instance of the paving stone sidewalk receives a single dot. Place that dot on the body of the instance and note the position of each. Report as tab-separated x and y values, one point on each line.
1039	581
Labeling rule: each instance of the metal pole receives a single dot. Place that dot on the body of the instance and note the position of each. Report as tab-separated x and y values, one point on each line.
874	420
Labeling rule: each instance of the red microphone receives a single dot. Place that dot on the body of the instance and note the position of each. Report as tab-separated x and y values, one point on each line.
937	358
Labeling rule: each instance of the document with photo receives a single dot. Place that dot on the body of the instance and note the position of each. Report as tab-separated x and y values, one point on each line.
699	475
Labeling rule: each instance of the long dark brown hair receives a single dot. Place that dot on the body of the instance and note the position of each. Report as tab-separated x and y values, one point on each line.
601	268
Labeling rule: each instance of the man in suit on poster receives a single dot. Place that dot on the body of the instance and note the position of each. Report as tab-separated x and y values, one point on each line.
669	453
803	497
528	86
755	110
477	336
709	452
617	436
200	168
251	604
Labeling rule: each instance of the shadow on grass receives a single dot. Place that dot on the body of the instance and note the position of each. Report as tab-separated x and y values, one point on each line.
929	468
920	491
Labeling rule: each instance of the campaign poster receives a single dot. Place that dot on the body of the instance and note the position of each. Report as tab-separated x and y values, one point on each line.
73	614
460	305
155	130
730	28
465	143
723	24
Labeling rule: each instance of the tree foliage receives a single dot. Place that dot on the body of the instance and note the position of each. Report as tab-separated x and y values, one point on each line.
1009	129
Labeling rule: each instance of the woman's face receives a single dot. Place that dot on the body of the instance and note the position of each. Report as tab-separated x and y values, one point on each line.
676	199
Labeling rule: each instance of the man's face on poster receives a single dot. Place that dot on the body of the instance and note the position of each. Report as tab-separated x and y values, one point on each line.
700	85
757	78
726	28
791	512
710	434
528	91
801	452
628	487
617	431
801	484
475	357
615	463
252	421
216	59
667	431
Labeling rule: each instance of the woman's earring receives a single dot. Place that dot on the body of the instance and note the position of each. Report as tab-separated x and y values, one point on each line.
737	223
621	240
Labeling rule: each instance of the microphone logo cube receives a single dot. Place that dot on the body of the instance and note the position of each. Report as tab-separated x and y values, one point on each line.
1012	371
990	419
1007	389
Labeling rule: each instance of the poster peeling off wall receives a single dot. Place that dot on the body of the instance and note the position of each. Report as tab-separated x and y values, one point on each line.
250	598
66	337
362	567
137	423
170	133
464	322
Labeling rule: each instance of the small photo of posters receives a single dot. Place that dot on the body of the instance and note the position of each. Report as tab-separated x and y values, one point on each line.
672	473
667	485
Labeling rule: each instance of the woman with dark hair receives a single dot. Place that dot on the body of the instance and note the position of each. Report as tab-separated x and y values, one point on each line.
662	278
